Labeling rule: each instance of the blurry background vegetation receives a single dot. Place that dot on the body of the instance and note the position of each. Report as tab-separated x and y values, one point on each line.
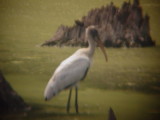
25	24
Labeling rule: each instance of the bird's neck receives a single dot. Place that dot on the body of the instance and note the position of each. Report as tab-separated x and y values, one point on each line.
91	48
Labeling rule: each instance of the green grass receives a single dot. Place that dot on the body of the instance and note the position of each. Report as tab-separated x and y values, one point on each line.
129	82
106	84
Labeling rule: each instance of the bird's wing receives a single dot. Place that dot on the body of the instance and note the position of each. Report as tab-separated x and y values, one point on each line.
69	72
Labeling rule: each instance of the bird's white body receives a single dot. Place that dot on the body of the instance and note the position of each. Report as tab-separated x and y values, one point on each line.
74	68
69	73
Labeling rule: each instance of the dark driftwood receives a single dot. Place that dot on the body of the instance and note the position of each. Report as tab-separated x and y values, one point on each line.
118	27
10	101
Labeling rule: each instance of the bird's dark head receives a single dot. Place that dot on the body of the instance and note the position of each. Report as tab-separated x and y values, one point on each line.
92	32
93	37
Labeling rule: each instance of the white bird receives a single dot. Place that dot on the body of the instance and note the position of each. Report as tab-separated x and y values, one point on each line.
74	69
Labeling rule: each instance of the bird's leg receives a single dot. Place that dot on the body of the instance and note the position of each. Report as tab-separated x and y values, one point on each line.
69	98
76	99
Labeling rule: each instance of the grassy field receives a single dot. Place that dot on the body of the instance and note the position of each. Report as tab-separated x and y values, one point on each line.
129	82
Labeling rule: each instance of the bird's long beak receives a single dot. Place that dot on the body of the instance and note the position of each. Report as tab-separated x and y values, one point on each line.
102	48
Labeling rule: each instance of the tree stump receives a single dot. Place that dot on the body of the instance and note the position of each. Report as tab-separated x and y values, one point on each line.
10	101
118	27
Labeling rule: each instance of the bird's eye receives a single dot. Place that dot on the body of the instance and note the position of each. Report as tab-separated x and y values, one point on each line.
93	32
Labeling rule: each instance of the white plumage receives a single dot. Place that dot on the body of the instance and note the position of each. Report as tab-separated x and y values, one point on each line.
74	68
68	74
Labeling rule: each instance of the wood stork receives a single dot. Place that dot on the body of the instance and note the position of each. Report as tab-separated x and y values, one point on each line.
74	69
